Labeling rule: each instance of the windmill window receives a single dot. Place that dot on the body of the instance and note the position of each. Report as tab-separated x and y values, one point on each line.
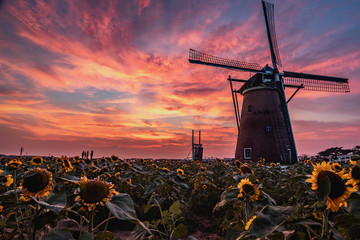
268	129
250	108
247	153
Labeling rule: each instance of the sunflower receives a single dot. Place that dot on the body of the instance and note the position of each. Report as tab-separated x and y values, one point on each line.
24	198
355	175
218	160
353	162
203	169
248	224
336	167
114	158
3	160
227	165
247	189
76	158
204	186
36	161
37	183
66	164
339	190
126	164
88	162
273	164
307	162
6	180
180	172
237	163
244	169
260	165
165	169
154	166
128	181
14	164
104	192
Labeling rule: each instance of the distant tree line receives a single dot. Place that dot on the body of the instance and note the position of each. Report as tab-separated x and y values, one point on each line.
333	153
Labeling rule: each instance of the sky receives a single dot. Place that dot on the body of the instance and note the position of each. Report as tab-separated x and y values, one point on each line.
114	77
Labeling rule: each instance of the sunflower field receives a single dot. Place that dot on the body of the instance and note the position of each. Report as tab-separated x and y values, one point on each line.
112	198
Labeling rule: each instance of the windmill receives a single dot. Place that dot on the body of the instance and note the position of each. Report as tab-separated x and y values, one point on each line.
264	126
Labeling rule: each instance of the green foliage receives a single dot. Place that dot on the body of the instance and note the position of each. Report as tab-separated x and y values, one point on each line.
157	203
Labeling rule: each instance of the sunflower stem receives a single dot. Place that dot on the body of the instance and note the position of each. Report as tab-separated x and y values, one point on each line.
91	221
14	184
246	212
36	214
325	225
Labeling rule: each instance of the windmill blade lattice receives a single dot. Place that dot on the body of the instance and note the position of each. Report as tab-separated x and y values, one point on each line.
318	84
270	26
203	58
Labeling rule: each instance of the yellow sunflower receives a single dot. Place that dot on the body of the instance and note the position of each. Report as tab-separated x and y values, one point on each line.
37	182
218	160
154	166
36	161
244	169
248	224
180	172
227	165
353	162
128	181
339	190
203	169
76	158
114	158
104	192
6	180
355	176
273	164
14	164
66	164
237	163
336	167
165	169
248	189
307	162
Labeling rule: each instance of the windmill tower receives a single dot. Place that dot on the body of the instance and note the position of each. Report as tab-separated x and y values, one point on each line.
264	126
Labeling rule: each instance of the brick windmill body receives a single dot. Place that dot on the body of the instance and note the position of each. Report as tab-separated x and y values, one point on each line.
264	126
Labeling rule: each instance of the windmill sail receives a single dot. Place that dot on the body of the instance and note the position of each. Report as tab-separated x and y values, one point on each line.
203	58
270	28
317	82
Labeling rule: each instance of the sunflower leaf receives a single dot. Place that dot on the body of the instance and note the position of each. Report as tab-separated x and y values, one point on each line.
58	234
324	188
55	203
122	207
270	219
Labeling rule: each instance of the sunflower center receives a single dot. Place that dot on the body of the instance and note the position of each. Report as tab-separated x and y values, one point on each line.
67	164
337	184
35	181
93	191
248	188
245	169
355	172
37	160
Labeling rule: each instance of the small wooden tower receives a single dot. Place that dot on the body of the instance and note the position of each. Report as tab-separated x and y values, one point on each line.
197	149
264	126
